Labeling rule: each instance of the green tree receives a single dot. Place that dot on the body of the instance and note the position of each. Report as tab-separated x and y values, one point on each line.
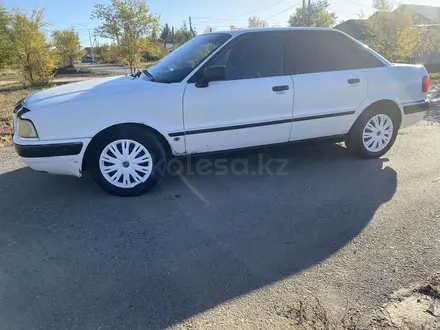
67	47
320	16
128	23
383	5
428	43
106	53
155	52
154	32
165	33
5	42
31	53
256	22
191	29
183	34
173	35
394	35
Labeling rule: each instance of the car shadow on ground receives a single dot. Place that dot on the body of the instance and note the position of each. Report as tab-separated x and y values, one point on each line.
73	256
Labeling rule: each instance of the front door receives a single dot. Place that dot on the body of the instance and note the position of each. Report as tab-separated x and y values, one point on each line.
252	106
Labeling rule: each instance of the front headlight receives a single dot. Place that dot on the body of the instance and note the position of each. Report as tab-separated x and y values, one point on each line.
26	129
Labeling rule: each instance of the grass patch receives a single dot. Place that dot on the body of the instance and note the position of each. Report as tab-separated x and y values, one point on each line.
16	88
8	74
5	141
435	76
7	101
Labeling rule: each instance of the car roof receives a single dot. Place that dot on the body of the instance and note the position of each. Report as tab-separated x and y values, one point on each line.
244	31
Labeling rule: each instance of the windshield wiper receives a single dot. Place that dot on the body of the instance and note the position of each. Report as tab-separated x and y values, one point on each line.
148	74
137	74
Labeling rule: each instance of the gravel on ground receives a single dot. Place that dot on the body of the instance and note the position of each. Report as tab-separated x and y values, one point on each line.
433	114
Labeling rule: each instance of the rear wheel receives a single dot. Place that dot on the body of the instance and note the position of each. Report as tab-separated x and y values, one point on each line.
373	134
126	161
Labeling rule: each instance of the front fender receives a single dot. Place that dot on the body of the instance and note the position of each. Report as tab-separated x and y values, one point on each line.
177	146
159	108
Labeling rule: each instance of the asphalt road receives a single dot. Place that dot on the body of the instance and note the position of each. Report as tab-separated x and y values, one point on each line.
219	251
109	68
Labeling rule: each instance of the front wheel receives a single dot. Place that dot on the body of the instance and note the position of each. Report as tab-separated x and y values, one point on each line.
126	161
373	134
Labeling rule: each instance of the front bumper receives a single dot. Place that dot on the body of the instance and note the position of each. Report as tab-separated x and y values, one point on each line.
63	157
49	150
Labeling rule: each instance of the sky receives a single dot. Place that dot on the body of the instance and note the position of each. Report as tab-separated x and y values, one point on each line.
219	15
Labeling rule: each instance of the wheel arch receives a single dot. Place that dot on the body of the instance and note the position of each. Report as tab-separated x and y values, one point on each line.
383	104
355	137
147	128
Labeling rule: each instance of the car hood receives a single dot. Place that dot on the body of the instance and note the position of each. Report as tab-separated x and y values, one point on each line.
104	88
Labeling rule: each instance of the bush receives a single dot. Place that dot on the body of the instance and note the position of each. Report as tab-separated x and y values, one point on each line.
106	54
67	47
31	52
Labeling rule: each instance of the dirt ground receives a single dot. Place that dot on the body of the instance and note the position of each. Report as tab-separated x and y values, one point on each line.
414	308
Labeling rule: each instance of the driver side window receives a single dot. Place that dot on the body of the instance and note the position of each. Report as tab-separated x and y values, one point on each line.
253	57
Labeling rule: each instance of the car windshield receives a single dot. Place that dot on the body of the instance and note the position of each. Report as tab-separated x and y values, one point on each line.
181	62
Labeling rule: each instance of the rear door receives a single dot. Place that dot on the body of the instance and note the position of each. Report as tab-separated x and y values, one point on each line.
329	82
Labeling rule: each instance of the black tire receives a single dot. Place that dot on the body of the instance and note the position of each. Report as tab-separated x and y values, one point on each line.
354	140
127	132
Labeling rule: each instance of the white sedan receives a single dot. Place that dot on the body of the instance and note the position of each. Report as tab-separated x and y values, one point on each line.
221	91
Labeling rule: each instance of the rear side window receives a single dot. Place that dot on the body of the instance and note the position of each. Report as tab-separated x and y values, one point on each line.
326	51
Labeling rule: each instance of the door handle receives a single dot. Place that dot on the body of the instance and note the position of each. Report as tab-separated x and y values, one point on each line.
354	81
280	88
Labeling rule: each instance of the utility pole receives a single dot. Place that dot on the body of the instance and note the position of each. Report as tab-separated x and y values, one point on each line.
193	34
91	47
308	14
90	40
303	16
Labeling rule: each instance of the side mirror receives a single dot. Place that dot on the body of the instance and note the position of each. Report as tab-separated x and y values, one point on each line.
213	73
